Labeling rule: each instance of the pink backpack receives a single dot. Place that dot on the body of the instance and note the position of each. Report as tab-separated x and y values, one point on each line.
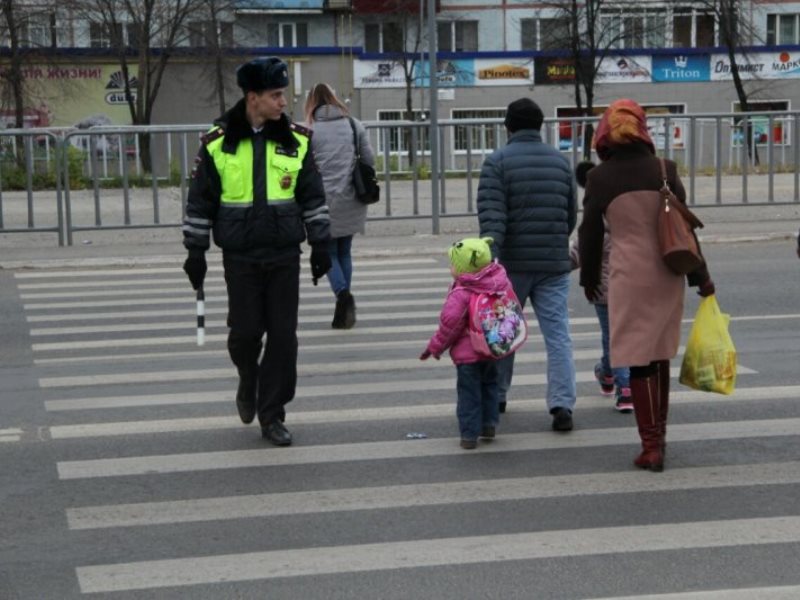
497	326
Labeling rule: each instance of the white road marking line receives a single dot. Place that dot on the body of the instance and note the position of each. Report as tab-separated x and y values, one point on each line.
162	326
303	370
307	290
180	399
358	263
222	351
425	553
783	592
90	315
427	494
131	280
404	449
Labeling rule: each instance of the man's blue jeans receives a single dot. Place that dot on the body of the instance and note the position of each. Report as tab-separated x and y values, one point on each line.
622	375
341	272
477	407
548	295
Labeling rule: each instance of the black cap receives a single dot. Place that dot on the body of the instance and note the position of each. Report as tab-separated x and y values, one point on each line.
262	74
523	114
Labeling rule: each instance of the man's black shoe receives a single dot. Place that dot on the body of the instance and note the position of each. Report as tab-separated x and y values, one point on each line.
562	419
246	398
501	406
277	433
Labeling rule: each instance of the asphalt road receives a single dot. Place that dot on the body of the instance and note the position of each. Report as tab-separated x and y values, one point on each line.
126	474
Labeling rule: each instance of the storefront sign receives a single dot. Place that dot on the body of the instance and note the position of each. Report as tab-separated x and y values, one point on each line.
624	69
74	96
681	68
554	71
758	65
467	72
378	74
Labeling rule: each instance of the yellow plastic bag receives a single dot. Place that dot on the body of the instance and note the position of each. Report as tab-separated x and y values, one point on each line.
709	363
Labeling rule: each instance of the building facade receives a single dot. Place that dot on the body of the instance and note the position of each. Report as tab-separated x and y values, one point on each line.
668	55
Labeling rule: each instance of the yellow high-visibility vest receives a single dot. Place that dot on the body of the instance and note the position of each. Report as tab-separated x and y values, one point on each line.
236	170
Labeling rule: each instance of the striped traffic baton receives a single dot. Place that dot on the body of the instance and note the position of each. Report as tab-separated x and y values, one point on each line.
201	316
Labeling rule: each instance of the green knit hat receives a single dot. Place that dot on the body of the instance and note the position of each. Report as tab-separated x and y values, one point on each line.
470	255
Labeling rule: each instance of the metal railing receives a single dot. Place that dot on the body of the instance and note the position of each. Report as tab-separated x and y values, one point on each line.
104	178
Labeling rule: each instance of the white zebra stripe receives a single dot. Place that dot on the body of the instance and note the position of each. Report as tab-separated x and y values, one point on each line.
358	263
256	566
427	494
299	455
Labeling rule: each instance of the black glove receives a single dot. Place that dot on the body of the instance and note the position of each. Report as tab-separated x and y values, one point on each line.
706	288
591	293
320	262
195	267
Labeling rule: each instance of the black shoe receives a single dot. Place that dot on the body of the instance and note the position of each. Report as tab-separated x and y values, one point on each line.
276	433
501	407
562	419
339	312
348	309
488	432
246	398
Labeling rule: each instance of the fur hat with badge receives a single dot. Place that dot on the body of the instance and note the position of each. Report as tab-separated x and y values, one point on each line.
470	255
262	74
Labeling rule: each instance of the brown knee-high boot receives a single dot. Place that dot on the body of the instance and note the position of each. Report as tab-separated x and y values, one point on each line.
646	406
663	391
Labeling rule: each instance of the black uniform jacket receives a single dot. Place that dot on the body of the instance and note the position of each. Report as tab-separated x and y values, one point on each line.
263	232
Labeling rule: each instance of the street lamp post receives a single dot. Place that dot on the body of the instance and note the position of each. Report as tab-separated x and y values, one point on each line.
434	115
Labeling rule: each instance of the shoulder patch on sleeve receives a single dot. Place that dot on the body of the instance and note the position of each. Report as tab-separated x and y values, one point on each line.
212	135
301	130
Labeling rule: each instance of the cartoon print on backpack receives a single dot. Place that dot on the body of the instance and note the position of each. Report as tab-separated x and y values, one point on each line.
497	325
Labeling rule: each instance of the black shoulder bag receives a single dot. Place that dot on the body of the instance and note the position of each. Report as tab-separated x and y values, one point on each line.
364	179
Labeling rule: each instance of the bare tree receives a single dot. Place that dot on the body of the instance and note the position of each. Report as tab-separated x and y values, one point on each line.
403	39
144	34
13	20
28	28
211	35
590	40
735	34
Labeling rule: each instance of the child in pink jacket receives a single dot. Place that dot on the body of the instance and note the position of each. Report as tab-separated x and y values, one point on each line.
473	271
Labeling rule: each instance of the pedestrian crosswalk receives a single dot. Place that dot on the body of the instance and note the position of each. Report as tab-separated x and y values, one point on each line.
149	456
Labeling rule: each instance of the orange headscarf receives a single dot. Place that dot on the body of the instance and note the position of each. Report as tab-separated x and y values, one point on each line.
624	122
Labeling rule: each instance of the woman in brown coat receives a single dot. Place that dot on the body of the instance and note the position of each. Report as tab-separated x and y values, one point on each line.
645	298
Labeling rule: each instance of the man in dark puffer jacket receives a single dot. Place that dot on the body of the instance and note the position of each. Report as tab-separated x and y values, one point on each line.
527	203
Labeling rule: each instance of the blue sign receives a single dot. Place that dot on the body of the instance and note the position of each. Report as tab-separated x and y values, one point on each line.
681	68
450	73
279	4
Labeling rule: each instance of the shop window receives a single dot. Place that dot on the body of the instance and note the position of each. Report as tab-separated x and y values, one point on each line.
478	138
399	138
760	126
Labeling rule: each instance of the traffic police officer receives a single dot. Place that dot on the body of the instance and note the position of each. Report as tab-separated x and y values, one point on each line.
256	187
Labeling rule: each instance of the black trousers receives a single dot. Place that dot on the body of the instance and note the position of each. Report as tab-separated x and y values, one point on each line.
263	299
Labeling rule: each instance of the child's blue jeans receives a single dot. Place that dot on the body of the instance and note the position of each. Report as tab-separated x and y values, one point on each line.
477	398
622	375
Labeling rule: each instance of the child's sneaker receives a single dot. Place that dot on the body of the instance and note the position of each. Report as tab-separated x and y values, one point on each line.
606	381
624	402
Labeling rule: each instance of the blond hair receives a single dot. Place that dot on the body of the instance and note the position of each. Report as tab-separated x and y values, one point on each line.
320	95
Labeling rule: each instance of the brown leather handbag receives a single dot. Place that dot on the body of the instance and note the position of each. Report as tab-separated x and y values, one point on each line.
680	249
